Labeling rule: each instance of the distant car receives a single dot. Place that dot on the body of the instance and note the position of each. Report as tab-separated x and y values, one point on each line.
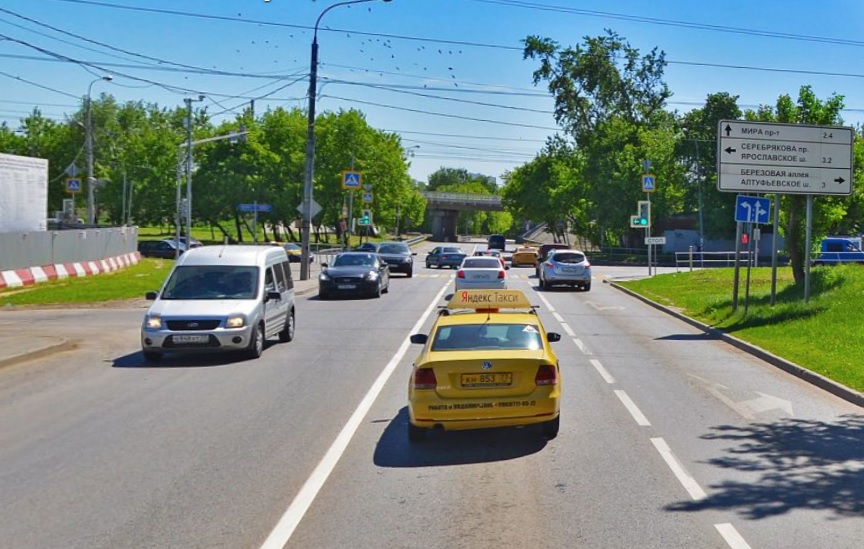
543	252
524	256
485	366
354	273
497	242
398	256
193	243
566	268
445	256
162	249
478	273
368	247
294	251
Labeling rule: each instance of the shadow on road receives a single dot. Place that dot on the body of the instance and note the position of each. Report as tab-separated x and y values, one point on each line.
454	447
802	464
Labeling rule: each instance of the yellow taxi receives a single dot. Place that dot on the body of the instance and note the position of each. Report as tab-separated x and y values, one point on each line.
487	362
524	256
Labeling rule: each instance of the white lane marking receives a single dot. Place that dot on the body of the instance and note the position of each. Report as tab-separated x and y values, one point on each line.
546	302
558	317
633	409
602	371
581	346
304	498
683	476
732	537
567	329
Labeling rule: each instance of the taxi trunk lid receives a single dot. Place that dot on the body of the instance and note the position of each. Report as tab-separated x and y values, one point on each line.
485	374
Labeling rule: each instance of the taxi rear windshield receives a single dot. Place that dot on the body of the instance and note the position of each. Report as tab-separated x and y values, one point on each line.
487	336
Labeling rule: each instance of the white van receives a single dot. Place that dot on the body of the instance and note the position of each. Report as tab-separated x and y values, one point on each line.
221	298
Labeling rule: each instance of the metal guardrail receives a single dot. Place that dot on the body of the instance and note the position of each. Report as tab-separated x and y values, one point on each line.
703	260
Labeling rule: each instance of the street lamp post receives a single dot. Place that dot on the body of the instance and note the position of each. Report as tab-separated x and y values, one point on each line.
88	143
310	140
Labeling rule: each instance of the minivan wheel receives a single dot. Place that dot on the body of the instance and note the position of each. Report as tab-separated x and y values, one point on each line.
287	333
152	356
256	346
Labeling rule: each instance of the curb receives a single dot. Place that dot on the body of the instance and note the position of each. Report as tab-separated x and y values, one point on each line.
61	345
800	372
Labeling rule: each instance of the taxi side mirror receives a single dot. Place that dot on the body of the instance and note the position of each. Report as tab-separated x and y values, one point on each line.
419	338
552	337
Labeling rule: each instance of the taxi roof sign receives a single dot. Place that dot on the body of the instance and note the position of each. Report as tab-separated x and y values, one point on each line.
489	299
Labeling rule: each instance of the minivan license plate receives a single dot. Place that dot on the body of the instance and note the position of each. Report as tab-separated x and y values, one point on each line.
190	339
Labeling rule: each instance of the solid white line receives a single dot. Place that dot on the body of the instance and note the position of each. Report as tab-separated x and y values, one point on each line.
546	302
581	346
602	371
732	537
304	498
558	317
683	476
567	329
633	409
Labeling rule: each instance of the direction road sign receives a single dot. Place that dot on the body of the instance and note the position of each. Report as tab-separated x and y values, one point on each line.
752	209
655	240
649	183
73	185
255	207
351	180
763	157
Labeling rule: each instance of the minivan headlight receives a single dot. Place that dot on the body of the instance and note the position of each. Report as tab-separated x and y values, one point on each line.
235	321
153	322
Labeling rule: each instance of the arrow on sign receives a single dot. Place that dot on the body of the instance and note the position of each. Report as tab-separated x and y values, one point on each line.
839	180
728	130
730	150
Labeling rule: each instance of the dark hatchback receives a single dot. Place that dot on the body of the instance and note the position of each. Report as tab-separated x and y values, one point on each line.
354	273
398	256
163	249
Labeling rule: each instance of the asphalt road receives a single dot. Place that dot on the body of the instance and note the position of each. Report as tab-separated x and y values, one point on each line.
669	438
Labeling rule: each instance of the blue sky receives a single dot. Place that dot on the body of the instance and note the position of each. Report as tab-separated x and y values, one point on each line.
447	75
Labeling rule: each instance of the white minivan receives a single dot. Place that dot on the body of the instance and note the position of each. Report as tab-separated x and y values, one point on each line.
221	298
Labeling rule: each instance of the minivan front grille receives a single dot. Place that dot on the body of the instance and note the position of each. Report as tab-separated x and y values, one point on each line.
192	324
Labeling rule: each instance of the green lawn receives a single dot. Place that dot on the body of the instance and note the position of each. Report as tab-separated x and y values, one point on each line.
822	334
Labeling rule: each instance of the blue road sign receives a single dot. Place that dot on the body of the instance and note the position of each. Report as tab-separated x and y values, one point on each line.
350	180
255	207
752	209
649	183
73	185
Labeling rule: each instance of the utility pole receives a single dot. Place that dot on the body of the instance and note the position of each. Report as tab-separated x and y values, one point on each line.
188	101
88	144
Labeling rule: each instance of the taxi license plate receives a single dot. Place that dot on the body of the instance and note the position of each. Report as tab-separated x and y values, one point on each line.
190	339
502	379
347	286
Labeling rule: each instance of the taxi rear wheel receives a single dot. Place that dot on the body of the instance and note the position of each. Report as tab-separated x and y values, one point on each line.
416	434
550	428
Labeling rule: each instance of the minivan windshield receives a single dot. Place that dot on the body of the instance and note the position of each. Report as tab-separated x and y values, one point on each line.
212	282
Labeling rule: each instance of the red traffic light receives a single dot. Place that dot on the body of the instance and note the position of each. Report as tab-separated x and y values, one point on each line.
744	238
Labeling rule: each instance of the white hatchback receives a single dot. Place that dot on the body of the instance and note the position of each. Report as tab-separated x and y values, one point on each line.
481	273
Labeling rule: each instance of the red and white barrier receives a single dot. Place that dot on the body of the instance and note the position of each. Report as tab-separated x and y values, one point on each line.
34	275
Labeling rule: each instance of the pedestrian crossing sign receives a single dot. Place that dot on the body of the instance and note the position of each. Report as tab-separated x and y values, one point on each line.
73	185
649	183
351	180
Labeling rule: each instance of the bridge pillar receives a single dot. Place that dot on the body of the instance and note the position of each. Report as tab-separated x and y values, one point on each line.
444	225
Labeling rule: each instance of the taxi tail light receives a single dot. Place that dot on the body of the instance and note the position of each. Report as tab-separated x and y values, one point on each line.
424	378
546	375
500	274
460	274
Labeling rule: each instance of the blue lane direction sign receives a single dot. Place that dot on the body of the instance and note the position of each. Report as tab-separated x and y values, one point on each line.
255	207
351	180
752	209
649	183
73	185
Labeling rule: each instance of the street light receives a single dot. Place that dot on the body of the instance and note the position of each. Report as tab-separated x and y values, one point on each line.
88	130
310	140
695	140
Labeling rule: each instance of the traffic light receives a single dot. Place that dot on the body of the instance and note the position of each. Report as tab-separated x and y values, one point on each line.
643	218
365	218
